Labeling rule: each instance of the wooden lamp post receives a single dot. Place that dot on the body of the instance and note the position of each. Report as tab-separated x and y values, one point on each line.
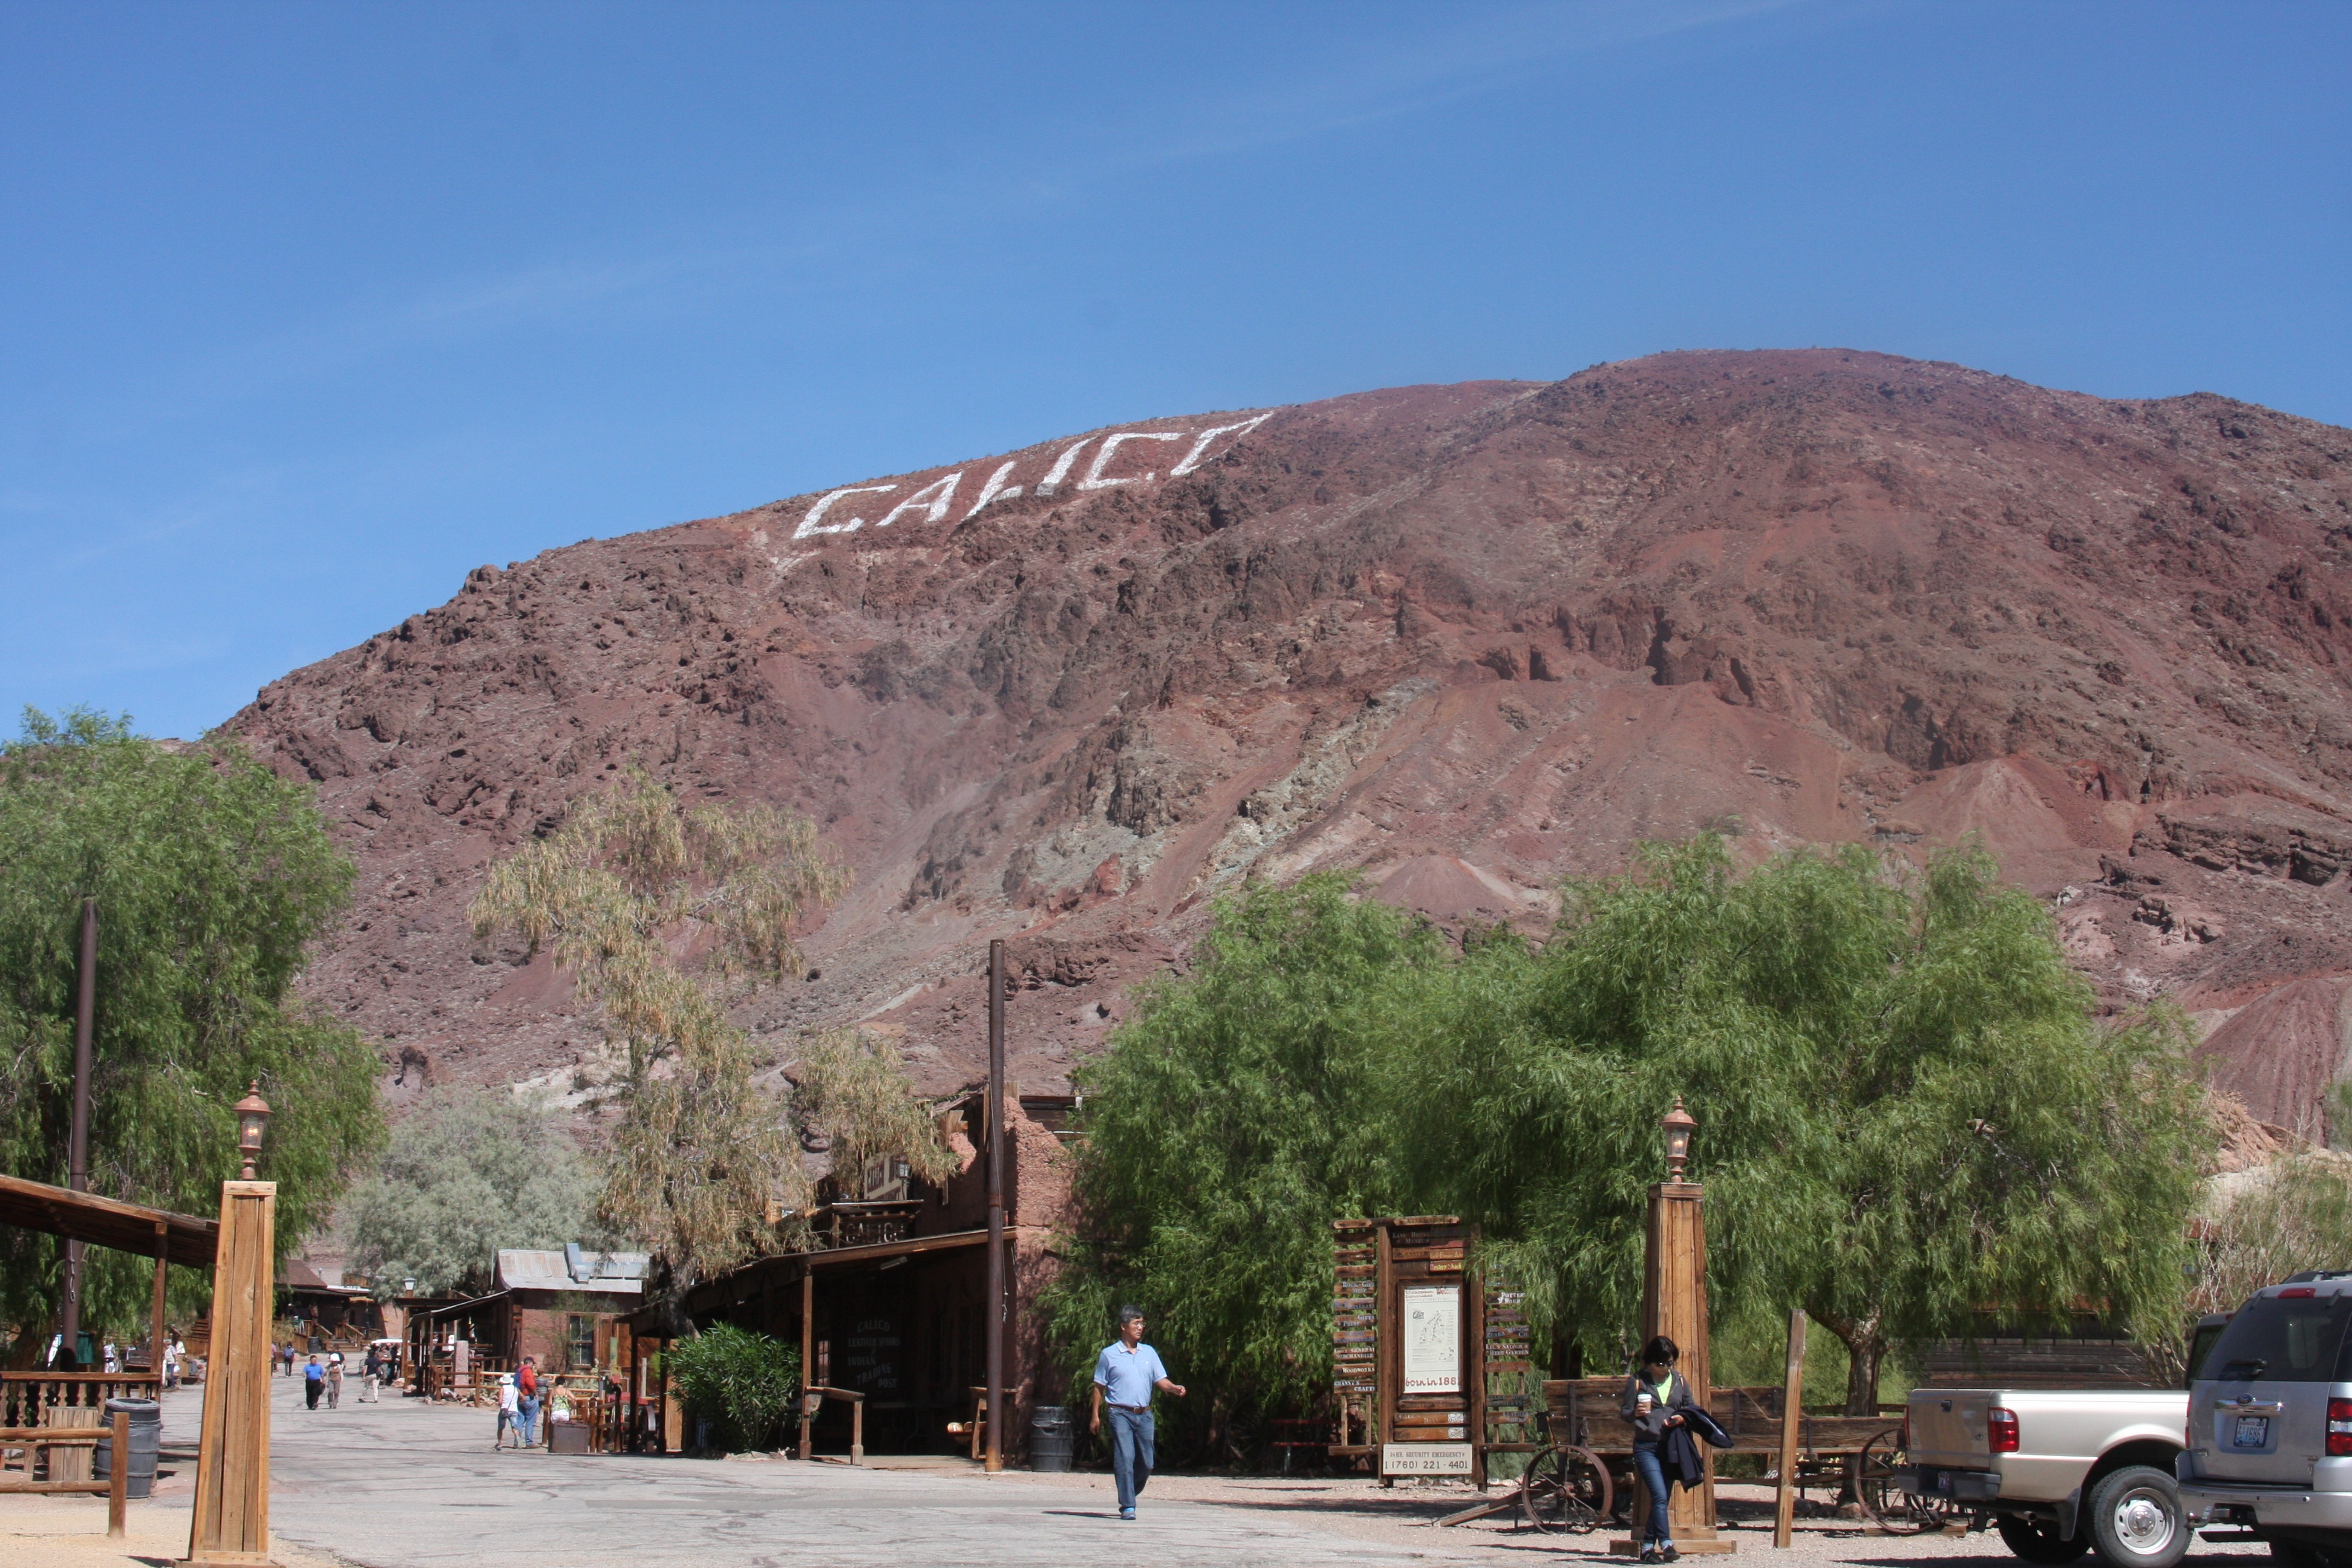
1673	1303
231	1527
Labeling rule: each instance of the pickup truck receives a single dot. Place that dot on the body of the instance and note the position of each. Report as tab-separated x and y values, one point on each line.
2059	1472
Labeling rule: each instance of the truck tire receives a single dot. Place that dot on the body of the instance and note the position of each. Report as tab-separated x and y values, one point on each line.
2038	1541
2134	1519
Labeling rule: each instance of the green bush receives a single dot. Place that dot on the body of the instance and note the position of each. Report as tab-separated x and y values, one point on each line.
741	1382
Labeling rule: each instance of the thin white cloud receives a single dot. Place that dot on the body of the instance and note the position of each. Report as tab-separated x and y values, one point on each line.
1441	65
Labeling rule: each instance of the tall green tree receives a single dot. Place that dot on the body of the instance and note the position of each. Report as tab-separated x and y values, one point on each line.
701	1157
213	877
851	1085
1234	1116
468	1171
1908	1111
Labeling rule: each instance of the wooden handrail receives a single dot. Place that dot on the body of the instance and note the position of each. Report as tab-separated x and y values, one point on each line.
116	1485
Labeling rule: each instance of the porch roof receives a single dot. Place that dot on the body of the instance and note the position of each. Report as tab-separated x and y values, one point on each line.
109	1222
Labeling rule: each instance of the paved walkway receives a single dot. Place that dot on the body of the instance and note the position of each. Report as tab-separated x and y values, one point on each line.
405	1485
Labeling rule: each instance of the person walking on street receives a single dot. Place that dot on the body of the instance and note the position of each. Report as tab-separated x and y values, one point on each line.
527	1401
1125	1374
1653	1402
314	1382
368	1371
509	1408
335	1381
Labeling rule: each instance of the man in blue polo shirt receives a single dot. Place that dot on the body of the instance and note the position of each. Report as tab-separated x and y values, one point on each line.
1125	1374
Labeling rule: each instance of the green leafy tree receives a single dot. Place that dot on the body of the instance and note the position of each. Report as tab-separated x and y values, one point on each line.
1232	1119
741	1382
851	1085
467	1173
700	1156
1909	1113
213	877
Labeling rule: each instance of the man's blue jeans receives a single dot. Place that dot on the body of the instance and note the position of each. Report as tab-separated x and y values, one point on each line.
529	1410
1130	1452
1653	1482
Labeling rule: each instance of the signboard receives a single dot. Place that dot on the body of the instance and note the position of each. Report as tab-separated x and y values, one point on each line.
1425	1458
1433	1339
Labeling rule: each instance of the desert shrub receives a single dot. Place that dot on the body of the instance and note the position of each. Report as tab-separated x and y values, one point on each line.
741	1382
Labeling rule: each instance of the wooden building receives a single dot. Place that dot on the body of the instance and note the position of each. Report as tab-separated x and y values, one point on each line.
558	1308
894	1305
331	1314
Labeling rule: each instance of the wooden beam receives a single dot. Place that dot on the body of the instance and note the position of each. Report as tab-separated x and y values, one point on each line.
118	1473
1792	1405
808	1362
155	1319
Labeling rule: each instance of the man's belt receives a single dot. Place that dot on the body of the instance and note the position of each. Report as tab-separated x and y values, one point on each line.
1129	1406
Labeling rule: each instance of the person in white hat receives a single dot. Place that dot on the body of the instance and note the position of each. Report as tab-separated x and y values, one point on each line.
509	1413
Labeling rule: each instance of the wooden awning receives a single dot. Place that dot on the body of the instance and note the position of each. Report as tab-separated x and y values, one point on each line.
108	1222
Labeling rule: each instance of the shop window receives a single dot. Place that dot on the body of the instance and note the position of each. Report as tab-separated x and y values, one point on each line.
580	1342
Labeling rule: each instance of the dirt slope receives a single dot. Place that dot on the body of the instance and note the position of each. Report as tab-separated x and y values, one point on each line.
1467	637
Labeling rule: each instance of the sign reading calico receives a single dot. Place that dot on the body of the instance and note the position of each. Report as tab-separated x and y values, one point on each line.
932	502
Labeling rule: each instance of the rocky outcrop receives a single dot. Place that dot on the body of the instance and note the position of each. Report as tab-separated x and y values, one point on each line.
1469	639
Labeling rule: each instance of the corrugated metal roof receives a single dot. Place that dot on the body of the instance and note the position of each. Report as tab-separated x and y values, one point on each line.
574	1268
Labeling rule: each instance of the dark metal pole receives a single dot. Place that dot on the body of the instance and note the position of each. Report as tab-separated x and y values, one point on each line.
78	1146
996	1412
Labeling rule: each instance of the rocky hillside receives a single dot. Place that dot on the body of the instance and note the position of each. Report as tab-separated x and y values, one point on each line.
1468	638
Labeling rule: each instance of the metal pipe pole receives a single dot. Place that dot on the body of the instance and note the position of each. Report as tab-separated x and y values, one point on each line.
996	1310
78	1142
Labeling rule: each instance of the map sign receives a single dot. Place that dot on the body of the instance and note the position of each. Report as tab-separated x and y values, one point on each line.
1433	1339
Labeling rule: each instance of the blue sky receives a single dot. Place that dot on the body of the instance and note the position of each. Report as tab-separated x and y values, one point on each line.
306	310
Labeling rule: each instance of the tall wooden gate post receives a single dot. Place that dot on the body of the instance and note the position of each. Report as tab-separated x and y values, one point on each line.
231	1528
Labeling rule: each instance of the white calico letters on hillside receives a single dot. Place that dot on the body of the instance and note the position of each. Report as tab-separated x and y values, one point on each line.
932	502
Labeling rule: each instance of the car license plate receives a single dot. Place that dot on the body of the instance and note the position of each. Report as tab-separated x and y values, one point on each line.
2254	1432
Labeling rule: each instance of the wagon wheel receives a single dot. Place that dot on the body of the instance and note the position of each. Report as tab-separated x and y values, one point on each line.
1889	1506
1565	1488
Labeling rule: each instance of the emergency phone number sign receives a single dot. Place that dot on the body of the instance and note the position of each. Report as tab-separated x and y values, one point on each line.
1425	1458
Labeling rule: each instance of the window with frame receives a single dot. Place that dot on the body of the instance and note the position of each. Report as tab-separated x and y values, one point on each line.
580	1342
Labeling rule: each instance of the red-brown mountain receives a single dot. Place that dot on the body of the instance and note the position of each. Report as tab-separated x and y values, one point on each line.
1468	638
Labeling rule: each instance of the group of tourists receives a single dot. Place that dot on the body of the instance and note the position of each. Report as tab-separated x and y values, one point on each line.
518	1403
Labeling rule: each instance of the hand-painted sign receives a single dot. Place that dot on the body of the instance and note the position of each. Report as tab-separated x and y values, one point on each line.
1120	449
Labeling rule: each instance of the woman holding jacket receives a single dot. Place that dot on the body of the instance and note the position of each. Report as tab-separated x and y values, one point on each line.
1657	1400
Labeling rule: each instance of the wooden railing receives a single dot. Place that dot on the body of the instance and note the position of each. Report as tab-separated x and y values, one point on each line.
47	1440
33	1398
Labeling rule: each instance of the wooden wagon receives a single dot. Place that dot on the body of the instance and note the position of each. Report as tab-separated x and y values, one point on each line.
1586	1466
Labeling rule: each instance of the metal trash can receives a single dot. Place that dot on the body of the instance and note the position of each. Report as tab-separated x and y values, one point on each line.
146	1441
1050	1433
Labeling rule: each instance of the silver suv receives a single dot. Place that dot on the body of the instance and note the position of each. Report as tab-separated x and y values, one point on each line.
2270	1423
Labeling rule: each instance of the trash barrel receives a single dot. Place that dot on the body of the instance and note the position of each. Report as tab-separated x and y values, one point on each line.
1049	1437
146	1440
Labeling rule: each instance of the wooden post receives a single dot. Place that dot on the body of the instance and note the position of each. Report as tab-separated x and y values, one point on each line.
1389	1365
857	1431
808	1359
78	1122
1474	1363
118	1477
995	1304
1793	1417
231	1527
155	1318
